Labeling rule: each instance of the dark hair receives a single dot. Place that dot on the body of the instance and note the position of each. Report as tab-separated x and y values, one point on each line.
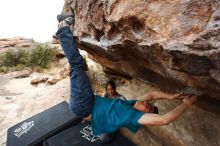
156	111
111	83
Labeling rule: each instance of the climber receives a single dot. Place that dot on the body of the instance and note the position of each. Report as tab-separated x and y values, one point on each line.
111	92
107	115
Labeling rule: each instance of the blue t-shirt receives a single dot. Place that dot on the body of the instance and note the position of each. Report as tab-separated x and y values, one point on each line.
109	115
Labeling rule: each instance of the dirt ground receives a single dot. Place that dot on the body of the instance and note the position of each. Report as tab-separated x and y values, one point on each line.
20	100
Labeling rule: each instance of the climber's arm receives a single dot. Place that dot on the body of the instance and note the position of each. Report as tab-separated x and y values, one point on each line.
154	119
160	95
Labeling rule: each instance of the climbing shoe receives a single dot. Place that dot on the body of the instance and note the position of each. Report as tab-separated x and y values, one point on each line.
69	19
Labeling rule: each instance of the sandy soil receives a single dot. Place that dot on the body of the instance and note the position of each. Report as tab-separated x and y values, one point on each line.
20	100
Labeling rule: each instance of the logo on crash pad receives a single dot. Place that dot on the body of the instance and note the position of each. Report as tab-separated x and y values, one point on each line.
24	128
88	134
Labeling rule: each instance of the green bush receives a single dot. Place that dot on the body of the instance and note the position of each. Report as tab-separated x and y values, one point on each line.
14	57
40	56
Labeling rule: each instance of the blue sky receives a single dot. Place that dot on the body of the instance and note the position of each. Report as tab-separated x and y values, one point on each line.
29	18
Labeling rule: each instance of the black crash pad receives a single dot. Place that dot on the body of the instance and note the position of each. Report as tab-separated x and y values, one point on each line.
34	130
81	135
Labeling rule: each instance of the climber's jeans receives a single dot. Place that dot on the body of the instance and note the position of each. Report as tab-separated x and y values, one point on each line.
81	93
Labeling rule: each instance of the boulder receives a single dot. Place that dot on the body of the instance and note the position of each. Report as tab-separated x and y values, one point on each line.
23	73
173	45
39	80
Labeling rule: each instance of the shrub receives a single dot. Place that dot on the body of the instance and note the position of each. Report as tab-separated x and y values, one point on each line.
41	56
14	57
36	57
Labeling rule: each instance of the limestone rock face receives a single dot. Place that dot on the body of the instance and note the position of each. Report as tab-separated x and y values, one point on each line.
196	127
174	45
17	42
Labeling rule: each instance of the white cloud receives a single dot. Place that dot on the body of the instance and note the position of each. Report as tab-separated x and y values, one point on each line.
29	18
